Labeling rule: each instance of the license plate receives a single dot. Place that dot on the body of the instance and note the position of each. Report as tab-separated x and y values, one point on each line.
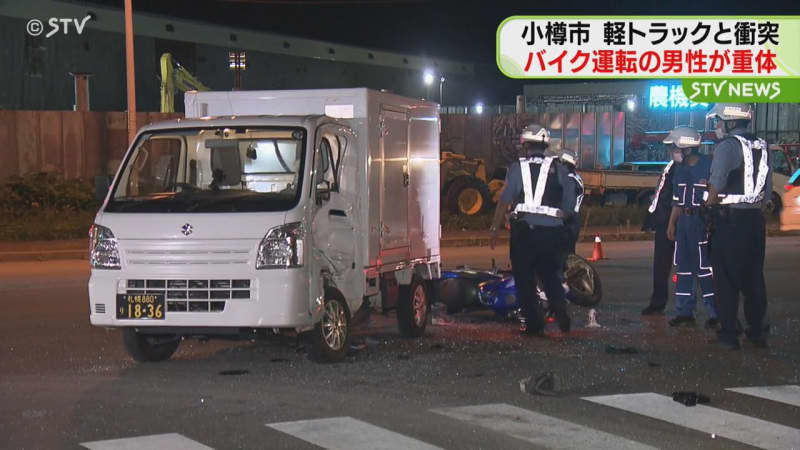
140	306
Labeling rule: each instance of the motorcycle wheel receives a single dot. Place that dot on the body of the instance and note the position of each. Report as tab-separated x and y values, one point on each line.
583	280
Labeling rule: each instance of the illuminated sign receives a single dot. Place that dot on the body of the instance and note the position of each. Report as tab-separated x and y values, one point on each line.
671	96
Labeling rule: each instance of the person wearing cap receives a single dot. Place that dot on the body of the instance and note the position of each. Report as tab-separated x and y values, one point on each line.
687	227
542	194
663	248
741	184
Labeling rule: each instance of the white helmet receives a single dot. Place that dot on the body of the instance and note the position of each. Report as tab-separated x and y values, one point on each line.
730	111
683	137
569	156
534	133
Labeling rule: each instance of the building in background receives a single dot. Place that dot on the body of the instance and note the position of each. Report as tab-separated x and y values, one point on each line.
37	69
584	112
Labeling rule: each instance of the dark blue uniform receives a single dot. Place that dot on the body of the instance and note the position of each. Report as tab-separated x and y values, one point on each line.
690	188
537	240
738	242
663	248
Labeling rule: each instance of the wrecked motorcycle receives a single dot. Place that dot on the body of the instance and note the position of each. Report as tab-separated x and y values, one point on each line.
466	288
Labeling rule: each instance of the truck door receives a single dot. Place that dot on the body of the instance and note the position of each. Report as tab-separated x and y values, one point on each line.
394	181
333	225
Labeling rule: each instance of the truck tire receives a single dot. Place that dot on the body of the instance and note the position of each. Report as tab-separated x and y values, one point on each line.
149	348
330	340
468	196
413	308
585	288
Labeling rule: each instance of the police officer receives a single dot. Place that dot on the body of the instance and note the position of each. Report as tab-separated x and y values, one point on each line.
741	183
687	227
664	248
572	222
542	194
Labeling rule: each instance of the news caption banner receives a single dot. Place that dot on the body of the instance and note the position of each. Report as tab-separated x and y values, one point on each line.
717	58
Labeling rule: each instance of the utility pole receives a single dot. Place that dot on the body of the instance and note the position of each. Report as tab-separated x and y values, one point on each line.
131	78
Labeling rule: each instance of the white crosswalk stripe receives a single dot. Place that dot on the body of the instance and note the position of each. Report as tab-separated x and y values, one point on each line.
789	394
172	441
347	433
737	427
526	425
536	428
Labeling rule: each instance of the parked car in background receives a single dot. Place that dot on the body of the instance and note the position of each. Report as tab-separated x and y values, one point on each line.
790	216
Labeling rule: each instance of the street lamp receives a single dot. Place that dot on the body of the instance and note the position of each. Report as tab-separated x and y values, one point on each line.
427	77
441	83
479	108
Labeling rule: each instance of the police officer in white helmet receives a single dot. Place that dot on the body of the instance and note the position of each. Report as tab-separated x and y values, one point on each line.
741	183
542	194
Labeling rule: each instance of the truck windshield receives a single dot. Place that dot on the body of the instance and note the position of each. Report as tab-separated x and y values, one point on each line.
212	170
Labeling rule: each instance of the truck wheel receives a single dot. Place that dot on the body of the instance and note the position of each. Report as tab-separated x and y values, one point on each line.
413	307
468	196
149	348
331	336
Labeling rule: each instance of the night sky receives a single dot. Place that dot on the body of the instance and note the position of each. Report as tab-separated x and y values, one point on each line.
461	30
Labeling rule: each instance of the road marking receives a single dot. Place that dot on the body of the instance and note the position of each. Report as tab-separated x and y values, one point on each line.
537	428
789	394
172	441
348	433
737	427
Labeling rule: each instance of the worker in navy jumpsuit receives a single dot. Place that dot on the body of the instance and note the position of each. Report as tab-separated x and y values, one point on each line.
688	229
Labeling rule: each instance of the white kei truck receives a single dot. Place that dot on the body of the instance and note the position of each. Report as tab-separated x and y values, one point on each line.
267	211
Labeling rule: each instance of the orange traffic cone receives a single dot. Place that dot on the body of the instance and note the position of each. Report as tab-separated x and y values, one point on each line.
597	252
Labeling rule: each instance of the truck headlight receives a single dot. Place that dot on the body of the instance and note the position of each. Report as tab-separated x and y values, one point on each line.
103	248
282	247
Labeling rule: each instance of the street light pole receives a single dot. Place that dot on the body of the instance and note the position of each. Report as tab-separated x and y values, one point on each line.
131	79
441	83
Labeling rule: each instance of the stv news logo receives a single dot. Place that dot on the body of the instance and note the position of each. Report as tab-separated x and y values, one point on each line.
35	27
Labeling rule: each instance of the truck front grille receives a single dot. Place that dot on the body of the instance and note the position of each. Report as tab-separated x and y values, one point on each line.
208	295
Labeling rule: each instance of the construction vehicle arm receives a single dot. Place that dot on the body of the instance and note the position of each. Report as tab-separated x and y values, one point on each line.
173	78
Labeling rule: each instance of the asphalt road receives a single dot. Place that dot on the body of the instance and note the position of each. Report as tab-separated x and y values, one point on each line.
64	384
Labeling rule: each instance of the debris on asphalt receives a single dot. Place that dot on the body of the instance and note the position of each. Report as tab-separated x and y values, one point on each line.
439	315
234	372
278	360
614	350
653	364
545	384
688	398
593	319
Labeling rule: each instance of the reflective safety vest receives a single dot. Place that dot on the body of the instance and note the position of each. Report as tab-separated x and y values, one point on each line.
541	189
742	186
578	190
661	182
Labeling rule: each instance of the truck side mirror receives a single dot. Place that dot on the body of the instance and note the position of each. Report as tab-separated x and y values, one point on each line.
323	191
102	183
